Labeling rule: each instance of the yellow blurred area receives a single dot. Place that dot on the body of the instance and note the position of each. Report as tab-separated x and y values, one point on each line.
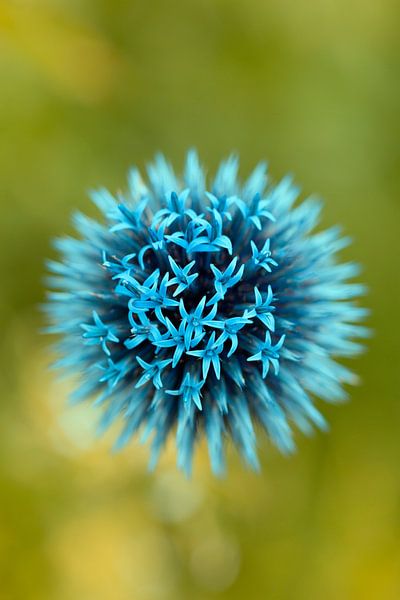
71	55
89	88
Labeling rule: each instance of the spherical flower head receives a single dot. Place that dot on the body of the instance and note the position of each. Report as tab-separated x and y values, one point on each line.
204	310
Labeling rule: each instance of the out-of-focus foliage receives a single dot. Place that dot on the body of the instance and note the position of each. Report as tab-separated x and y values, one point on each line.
88	88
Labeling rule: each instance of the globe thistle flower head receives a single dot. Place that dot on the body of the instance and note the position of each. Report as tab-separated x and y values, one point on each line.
200	310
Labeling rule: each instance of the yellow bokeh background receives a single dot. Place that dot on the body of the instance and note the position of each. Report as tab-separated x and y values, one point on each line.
87	89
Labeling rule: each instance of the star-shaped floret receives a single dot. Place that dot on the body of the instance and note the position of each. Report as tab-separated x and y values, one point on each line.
214	240
99	333
225	280
262	258
152	371
230	328
262	309
116	265
189	390
195	320
182	278
268	354
176	338
113	372
192	232
175	208
256	210
146	330
154	298
157	242
221	204
128	218
210	356
129	286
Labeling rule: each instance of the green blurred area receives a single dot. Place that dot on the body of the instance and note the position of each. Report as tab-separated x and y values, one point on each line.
88	88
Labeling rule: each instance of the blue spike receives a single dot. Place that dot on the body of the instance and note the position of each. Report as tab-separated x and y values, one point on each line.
99	333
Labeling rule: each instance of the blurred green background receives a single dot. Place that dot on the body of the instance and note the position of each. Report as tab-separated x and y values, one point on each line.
90	87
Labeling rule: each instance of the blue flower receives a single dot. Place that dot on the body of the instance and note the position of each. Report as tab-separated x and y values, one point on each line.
205	309
113	372
177	339
157	242
230	329
262	309
99	333
182	278
194	320
255	210
221	205
151	297
190	390
210	356
126	217
268	353
213	240
141	332
263	257
175	209
152	371
225	280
